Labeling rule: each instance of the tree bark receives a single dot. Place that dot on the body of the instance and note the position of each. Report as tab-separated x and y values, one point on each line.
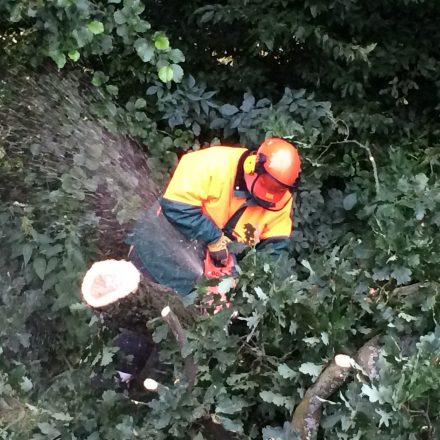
307	415
190	368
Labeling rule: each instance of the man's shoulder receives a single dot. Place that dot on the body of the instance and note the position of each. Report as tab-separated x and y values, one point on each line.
215	156
220	150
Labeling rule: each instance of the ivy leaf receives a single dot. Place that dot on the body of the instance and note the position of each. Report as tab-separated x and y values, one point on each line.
176	56
384	417
53	250
402	275
293	327
312	341
107	356
371	392
27	252
59	58
63	417
226	285
99	78
279	433
406	317
228	110
270	432
144	49
382	394
261	295
311	369
119	17
40	267
195	127
421	180
113	90
95	27
350	201
187	349
381	274
140	103
307	265
82	36
166	74
49	430
160	422
248	102
160	333
74	55
26	384
177	73
230	425
161	42
276	398
230	405
286	372
109	397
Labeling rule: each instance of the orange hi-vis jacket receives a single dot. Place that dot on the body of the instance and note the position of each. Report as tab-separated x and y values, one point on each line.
207	195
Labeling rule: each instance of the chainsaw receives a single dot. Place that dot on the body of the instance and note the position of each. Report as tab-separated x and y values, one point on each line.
211	271
165	256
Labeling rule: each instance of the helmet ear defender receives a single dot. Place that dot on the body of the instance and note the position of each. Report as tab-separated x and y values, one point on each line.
254	164
250	164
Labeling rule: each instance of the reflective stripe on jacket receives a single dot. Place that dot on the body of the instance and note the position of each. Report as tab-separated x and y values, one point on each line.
208	188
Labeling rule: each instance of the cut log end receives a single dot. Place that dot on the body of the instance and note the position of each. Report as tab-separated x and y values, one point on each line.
151	384
343	361
108	281
165	311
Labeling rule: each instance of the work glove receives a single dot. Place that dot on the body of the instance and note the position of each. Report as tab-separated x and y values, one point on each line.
218	251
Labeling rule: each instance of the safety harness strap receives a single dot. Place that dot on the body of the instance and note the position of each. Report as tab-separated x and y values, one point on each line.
232	222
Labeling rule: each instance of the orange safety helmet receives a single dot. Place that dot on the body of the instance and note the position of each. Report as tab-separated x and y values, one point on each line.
272	173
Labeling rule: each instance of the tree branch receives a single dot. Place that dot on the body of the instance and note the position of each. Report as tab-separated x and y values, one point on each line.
190	369
307	415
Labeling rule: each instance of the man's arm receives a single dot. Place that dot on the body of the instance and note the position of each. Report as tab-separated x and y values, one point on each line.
190	220
182	202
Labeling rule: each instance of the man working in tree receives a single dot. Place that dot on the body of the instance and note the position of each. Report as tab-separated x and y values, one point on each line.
216	193
213	197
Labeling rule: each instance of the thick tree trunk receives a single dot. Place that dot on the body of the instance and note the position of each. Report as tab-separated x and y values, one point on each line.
116	290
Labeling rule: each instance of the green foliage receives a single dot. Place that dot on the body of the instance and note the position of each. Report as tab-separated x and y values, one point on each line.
363	57
353	84
115	30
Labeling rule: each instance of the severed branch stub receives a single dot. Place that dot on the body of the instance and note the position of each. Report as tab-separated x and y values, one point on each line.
152	385
307	415
116	290
190	368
